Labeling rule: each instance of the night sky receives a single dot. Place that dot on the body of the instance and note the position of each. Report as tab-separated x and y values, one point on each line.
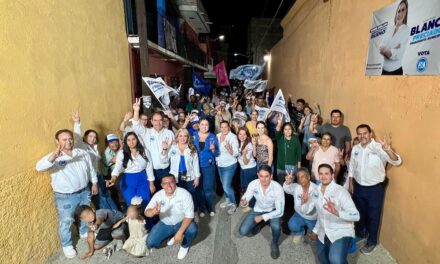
231	18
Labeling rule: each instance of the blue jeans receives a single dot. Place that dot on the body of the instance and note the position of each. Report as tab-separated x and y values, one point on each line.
135	184
333	253
297	223
249	224
226	175
189	186
246	176
369	202
105	201
161	231
66	205
158	174
206	192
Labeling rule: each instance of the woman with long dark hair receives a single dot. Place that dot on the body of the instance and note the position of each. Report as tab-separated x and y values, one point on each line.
135	162
89	143
248	166
208	149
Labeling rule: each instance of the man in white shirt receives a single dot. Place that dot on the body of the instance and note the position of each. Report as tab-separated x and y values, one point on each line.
175	208
367	168
152	139
71	171
269	207
336	214
300	191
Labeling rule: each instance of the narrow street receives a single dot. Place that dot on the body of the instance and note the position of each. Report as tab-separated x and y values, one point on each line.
218	242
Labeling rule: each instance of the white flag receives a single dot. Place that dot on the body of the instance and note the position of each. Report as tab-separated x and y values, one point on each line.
257	85
262	112
160	89
279	105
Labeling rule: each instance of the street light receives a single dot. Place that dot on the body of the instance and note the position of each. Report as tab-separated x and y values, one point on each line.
239	54
221	38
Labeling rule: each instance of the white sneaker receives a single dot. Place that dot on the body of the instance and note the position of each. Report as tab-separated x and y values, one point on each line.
232	209
225	204
170	242
182	252
85	235
69	252
202	214
212	213
297	239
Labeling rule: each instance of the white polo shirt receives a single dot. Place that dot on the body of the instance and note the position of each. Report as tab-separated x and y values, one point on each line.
271	201
135	165
69	174
367	165
173	209
152	140
297	191
329	224
225	158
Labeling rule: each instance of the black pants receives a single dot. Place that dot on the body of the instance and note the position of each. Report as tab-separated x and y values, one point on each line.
369	202
396	72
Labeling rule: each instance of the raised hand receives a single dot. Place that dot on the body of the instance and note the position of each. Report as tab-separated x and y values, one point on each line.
330	207
165	144
280	118
289	177
254	141
228	146
303	119
157	208
170	115
385	145
340	154
56	154
212	146
128	116
137	105
314	118
244	152
75	117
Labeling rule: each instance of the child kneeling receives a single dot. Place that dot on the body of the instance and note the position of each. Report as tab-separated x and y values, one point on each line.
101	230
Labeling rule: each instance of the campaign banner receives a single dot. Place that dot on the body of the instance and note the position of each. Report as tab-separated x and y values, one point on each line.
222	74
248	71
160	89
257	86
262	112
279	105
201	86
405	39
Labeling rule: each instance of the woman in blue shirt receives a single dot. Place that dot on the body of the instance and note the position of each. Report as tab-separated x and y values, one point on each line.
207	147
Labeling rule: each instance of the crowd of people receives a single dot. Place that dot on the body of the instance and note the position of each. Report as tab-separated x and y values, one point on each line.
158	175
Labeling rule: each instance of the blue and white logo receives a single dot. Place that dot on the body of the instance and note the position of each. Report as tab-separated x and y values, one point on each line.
422	64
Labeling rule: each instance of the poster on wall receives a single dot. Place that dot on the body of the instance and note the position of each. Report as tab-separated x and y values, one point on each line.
405	39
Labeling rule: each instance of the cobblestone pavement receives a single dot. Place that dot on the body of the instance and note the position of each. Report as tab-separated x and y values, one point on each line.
219	242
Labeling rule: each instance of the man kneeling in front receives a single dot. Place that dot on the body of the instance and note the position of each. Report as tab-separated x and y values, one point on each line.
269	207
175	208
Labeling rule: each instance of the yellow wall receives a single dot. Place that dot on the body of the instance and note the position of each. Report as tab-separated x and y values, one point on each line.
322	58
55	56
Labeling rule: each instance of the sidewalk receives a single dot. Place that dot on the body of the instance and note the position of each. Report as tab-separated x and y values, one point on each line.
218	242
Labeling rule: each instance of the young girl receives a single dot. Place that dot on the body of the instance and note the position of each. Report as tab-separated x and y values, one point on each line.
135	244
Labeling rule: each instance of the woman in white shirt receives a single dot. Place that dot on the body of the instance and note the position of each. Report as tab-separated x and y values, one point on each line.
89	143
227	163
135	162
324	154
394	43
184	161
248	166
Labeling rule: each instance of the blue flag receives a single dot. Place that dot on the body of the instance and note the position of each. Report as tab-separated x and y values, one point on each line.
200	85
